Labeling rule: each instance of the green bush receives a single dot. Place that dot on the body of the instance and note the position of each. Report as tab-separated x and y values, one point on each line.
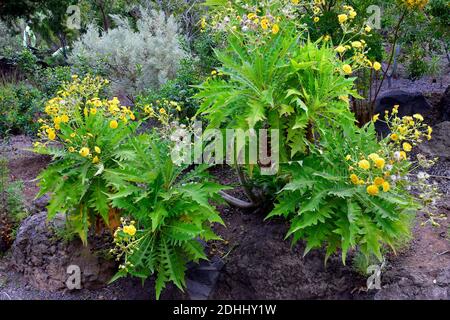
19	109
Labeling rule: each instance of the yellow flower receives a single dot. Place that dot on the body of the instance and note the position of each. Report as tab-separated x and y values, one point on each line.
130	230
342	18
386	186
113	124
65	118
93	111
407	147
97	149
72	135
379	163
275	28
95	160
354	178
316	19
394	137
373	156
418	117
356	44
376	66
352	14
375	117
429	130
265	24
51	135
402	155
71	149
84	152
378	181
162	111
367	29
340	49
347	68
295	2
364	164
372	190
348	157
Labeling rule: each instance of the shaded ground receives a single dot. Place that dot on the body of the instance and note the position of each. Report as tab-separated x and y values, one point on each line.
260	264
23	164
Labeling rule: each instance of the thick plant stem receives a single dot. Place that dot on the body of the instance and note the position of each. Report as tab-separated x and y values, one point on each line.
244	183
237	202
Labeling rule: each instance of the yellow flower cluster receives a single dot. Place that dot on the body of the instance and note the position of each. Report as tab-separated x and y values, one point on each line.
370	171
415	4
76	112
407	131
163	110
357	48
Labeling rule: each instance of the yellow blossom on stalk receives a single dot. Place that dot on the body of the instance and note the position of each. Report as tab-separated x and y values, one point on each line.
71	149
348	157
295	2
395	109
373	156
378	181
95	160
407	147
51	135
367	29
275	28
354	178
379	163
130	230
356	44
372	190
364	164
376	66
84	152
97	149
386	186
375	117
113	124
93	111
162	111
73	135
340	49
342	18
394	137
251	15
347	68
316	19
352	14
418	117
403	155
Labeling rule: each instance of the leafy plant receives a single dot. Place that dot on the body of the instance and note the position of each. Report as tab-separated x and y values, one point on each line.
340	208
12	205
89	130
19	108
170	209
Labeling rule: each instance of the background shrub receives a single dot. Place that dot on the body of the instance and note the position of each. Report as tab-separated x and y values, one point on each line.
19	106
134	59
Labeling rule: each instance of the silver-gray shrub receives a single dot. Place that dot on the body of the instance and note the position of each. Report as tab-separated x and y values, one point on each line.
133	59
